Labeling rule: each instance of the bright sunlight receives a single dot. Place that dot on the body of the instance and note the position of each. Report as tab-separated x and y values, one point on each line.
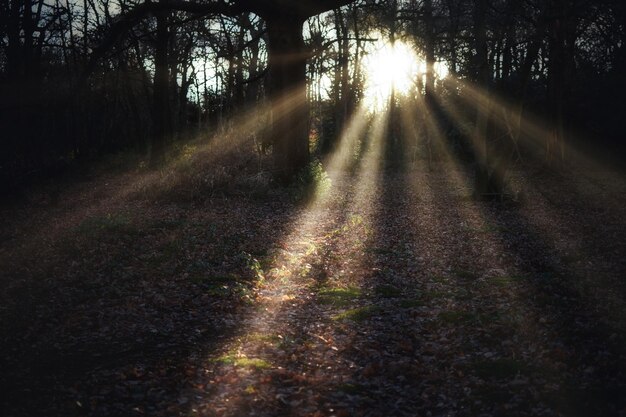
390	67
394	67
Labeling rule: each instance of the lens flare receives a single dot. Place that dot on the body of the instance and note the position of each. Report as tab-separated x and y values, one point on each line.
394	68
389	68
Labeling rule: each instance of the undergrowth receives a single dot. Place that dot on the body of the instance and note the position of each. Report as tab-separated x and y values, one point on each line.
311	183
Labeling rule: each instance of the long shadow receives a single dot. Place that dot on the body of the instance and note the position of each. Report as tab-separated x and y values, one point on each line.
589	373
293	367
422	330
266	354
459	343
114	336
399	289
550	314
390	378
593	216
394	335
412	338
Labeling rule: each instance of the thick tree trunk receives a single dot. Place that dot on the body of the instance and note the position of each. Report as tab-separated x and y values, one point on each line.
394	149
286	65
345	75
287	88
161	114
482	179
429	87
560	65
429	46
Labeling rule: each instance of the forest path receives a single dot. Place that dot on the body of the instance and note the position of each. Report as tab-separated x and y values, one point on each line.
416	301
394	295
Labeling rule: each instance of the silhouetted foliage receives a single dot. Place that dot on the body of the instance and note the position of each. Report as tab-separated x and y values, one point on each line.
80	79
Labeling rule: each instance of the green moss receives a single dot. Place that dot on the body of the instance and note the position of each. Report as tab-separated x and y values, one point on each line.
109	224
502	281
462	273
439	278
434	294
359	314
499	368
340	297
352	389
265	338
388	291
456	317
243	362
411	303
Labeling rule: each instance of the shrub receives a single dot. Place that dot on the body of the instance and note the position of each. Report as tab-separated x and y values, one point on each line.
311	183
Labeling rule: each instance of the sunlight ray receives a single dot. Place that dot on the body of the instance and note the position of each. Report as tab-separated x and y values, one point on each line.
288	273
520	126
432	136
351	134
369	170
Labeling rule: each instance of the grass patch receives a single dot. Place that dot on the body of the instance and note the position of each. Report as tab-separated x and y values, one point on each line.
111	223
340	297
271	339
352	389
279	342
499	368
456	317
465	274
503	281
172	249
388	291
461	294
353	221
359	314
411	303
435	294
495	317
243	362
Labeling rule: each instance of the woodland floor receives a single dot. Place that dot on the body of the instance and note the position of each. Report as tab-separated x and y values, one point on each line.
395	295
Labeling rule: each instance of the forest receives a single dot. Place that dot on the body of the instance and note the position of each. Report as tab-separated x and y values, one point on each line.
312	208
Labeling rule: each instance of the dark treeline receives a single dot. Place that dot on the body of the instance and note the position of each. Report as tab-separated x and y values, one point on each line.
80	78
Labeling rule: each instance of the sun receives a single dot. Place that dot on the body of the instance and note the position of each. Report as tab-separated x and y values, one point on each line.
389	68
394	67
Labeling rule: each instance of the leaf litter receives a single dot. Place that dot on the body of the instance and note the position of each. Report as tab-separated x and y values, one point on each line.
413	301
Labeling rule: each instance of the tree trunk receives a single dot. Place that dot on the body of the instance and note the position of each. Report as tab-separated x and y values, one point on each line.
161	115
429	87
482	177
287	89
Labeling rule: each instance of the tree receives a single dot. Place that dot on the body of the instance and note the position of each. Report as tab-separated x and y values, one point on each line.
161	94
483	179
287	57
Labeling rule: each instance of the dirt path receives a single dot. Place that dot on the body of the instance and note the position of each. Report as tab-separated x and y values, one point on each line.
394	295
